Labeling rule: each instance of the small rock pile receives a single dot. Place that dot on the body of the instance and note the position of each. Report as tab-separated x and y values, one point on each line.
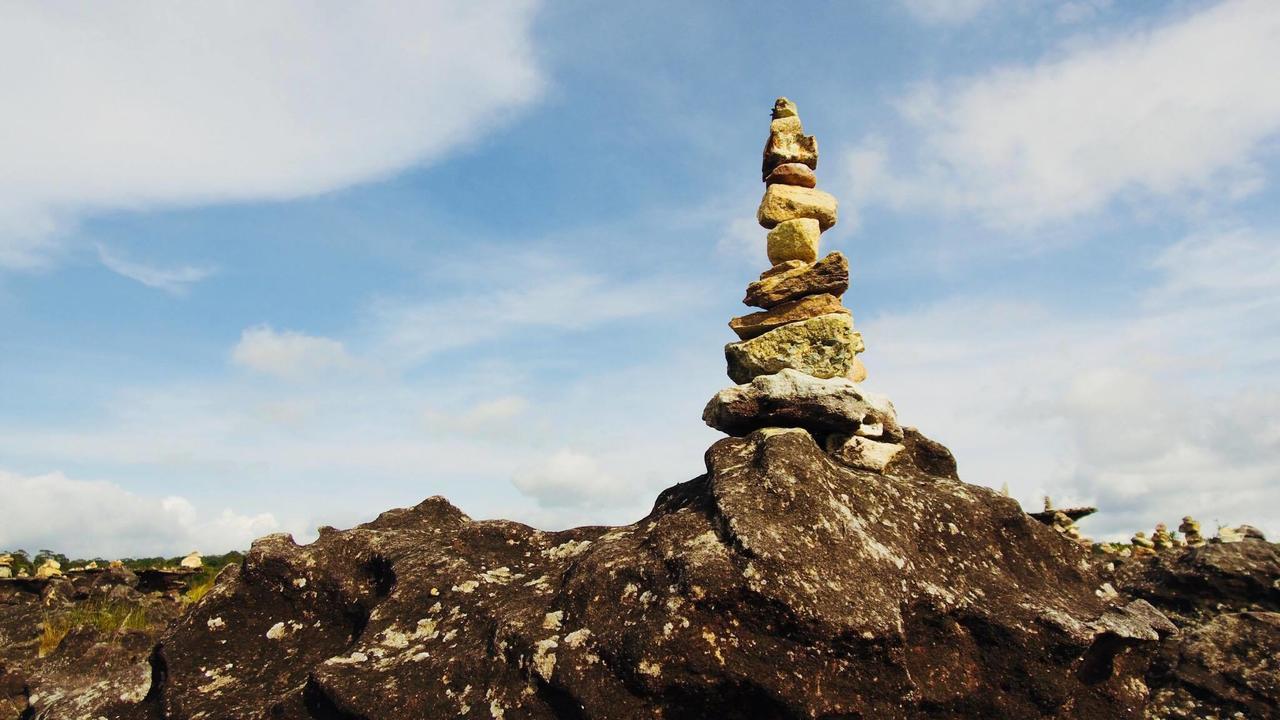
796	361
6	566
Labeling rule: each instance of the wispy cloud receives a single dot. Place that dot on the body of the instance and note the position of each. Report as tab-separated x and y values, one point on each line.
1180	112
344	97
173	280
946	11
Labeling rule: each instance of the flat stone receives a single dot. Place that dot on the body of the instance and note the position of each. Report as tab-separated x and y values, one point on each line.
791	398
863	453
788	202
797	174
822	347
782	267
787	143
759	323
828	275
794	240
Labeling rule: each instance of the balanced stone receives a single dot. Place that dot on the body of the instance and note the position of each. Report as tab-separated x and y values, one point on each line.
788	202
823	347
828	275
783	267
1190	530
794	240
759	323
797	174
192	561
793	399
863	453
787	142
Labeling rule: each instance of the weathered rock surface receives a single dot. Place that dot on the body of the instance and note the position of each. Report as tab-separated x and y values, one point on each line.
822	346
1224	661
781	584
787	144
788	202
811	306
829	275
793	174
794	240
794	399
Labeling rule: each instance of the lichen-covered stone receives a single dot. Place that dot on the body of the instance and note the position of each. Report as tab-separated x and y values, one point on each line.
822	347
797	174
791	398
810	306
911	597
794	240
829	275
788	202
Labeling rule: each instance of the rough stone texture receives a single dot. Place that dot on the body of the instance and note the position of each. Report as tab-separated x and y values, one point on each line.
788	202
822	347
794	240
811	306
788	144
793	399
797	174
780	584
1225	600
829	275
784	267
863	453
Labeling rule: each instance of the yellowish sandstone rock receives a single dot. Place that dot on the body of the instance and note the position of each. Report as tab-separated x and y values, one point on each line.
794	240
789	202
822	347
857	371
792	174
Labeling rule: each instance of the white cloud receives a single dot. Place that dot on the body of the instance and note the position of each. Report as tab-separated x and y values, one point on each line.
100	519
1159	411
174	281
946	11
1182	111
290	355
570	479
132	105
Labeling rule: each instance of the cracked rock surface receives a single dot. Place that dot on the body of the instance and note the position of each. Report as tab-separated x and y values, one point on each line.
780	584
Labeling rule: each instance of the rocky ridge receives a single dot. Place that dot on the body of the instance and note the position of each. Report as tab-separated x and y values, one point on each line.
829	564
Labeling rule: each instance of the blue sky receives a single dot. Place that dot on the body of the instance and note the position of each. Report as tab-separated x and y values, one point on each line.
268	268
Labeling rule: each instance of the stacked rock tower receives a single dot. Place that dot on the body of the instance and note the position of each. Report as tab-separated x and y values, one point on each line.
796	361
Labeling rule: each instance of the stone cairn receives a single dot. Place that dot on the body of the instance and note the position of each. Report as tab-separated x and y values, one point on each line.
6	566
796	363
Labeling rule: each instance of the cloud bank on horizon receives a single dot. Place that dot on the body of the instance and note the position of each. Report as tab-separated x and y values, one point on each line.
270	269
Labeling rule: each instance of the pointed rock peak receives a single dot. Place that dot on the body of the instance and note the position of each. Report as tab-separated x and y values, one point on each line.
782	107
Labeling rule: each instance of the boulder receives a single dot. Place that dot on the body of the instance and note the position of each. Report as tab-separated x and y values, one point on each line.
811	306
787	144
797	174
822	347
794	240
793	399
780	584
829	275
788	202
1227	667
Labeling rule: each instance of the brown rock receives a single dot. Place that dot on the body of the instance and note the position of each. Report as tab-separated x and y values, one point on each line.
797	174
759	323
787	143
782	267
861	585
828	275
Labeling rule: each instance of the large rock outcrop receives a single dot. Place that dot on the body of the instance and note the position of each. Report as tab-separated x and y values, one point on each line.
781	584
